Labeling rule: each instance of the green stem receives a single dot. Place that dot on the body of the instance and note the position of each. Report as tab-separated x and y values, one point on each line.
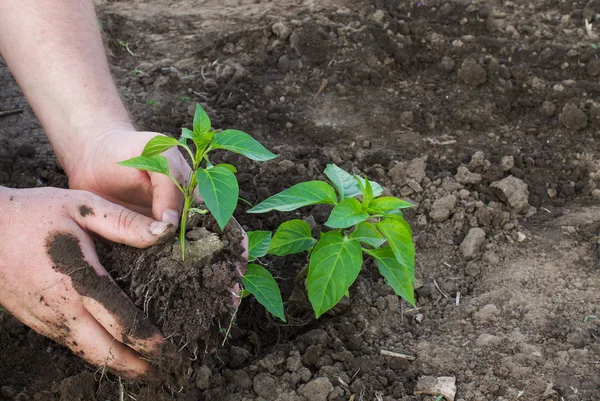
186	207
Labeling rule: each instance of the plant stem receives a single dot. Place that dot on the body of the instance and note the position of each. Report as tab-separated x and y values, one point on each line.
184	214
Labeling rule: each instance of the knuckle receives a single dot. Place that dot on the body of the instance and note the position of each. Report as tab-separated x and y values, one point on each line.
126	219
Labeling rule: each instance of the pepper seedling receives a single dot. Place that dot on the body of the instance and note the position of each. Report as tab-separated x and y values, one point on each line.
217	184
373	226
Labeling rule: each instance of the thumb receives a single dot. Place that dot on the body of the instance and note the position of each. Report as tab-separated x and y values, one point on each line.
118	224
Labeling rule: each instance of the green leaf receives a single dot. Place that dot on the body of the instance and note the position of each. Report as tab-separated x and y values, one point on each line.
303	194
219	189
228	167
367	191
258	244
387	203
242	143
334	265
293	236
154	164
187	133
346	184
347	213
201	121
260	283
397	275
399	235
159	144
367	233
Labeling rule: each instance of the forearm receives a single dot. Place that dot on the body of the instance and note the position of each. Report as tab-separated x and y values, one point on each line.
54	50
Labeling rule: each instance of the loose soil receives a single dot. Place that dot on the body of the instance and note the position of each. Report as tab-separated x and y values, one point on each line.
435	100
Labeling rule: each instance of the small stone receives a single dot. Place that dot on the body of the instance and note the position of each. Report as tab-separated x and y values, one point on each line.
472	243
442	208
415	186
593	68
238	356
487	340
463	194
317	389
507	163
294	362
548	108
283	65
377	16
472	73
514	192
472	269
402	172
552	193
265	386
448	64
596	193
573	118
477	160
490	257
488	312
203	377
464	176
406	118
281	30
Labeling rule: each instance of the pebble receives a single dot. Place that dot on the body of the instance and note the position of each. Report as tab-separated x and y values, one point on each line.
514	192
573	118
507	163
472	73
317	389
442	208
472	243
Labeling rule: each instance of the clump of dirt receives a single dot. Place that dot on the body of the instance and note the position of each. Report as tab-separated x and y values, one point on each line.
190	300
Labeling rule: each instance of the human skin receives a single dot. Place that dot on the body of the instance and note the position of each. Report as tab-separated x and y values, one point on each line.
55	52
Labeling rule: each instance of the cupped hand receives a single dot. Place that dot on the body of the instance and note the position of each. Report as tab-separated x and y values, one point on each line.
152	194
51	278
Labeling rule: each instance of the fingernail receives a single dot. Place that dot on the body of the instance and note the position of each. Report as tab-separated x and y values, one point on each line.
171	216
158	228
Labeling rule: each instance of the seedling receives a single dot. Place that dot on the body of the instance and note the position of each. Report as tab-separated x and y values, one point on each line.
373	226
217	184
151	102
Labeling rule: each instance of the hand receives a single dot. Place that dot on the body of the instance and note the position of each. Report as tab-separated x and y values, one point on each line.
96	170
51	279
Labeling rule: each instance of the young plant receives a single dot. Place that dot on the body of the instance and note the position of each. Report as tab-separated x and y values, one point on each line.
373	226
217	184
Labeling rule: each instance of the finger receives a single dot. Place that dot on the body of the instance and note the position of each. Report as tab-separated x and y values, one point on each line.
93	343
80	332
118	224
113	309
167	199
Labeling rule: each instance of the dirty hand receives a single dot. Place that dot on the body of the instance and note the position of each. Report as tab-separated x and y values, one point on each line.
51	279
96	170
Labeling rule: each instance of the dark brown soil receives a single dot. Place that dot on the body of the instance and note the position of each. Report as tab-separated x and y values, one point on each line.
190	301
500	88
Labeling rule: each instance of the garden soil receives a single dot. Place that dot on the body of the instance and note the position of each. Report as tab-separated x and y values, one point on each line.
485	114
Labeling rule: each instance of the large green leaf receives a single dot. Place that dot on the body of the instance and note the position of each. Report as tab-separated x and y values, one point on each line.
159	144
201	121
346	184
303	194
258	244
387	203
367	233
334	265
242	143
154	164
399	236
219	189
397	275
347	213
260	283
293	236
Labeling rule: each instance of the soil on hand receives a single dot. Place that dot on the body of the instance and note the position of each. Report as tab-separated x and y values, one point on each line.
482	113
